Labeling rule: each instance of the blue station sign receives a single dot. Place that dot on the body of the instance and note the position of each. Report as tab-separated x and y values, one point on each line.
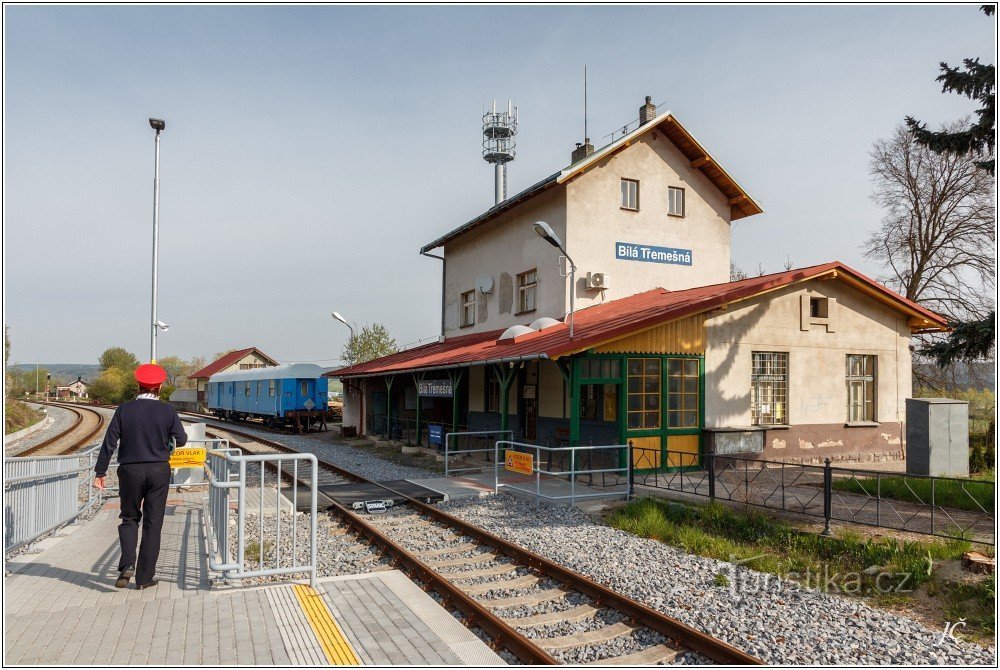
628	251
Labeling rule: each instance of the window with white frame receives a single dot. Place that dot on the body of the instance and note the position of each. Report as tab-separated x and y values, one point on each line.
469	308
527	285
270	388
769	388
862	384
630	194
675	201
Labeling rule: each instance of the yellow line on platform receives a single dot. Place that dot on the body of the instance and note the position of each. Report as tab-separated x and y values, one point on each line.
336	647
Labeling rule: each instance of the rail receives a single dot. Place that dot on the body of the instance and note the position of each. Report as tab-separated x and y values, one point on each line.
480	436
231	472
618	453
43	493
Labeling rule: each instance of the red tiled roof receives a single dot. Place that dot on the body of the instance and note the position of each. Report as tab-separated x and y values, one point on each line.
224	362
617	318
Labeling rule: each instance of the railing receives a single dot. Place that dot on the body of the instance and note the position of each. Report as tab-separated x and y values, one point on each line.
570	456
393	428
475	442
947	507
42	493
245	476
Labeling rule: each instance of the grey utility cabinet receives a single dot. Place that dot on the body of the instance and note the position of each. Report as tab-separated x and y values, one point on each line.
937	437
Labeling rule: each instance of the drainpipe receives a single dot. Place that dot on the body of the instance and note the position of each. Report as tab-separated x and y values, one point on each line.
443	275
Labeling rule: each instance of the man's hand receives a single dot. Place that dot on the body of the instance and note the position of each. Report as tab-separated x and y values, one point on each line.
99	482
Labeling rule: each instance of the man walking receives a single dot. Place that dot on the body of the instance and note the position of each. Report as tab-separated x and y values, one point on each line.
141	430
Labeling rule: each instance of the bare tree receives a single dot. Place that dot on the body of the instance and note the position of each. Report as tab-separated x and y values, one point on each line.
937	238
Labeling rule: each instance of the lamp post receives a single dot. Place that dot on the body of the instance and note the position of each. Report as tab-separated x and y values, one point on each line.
158	125
545	232
337	317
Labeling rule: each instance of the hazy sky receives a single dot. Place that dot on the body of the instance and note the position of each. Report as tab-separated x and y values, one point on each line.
311	151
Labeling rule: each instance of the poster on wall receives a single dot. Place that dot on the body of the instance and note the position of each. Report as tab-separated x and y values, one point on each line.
611	402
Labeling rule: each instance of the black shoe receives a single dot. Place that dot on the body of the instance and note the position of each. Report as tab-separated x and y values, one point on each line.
150	583
123	578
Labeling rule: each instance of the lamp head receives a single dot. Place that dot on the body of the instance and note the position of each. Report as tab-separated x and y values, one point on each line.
157	124
338	317
545	232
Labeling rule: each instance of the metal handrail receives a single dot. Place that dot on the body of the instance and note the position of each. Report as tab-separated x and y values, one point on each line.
571	474
448	452
219	465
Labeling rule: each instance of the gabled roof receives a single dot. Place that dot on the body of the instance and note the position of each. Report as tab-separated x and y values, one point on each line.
225	361
615	319
740	202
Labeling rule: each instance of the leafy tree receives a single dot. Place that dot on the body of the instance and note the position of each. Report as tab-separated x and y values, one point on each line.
108	388
166	390
119	359
736	273
6	345
178	370
369	343
970	341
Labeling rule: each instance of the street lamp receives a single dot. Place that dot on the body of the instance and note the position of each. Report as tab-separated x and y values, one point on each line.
338	317
545	232
158	125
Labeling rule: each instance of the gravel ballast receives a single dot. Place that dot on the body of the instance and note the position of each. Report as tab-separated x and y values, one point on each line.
775	621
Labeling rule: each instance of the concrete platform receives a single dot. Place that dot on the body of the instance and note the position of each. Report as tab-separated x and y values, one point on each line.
61	608
557	489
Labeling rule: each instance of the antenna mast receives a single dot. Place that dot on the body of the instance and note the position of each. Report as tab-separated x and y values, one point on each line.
585	135
499	129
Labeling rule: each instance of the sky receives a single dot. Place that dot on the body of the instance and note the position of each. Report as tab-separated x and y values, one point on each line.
310	152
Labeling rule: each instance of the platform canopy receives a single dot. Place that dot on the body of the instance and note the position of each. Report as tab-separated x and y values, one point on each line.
610	321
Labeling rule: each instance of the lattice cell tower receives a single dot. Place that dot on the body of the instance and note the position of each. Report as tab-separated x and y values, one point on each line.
499	129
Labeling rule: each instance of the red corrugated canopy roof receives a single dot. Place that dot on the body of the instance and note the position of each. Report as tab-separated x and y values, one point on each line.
224	362
617	318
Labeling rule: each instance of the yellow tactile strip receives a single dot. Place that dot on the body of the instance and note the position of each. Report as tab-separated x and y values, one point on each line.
336	647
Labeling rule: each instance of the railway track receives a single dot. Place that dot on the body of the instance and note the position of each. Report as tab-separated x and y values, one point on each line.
86	425
541	612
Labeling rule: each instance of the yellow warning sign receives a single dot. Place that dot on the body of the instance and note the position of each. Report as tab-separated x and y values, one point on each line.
192	457
518	461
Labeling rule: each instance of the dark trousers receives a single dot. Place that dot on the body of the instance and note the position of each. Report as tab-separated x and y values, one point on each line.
143	489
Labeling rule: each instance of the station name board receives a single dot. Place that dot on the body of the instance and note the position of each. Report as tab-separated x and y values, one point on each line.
435	388
627	251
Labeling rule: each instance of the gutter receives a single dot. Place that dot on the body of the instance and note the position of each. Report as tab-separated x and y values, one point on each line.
491	361
444	272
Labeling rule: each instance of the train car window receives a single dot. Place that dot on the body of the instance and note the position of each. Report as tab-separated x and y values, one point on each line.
270	388
305	388
246	389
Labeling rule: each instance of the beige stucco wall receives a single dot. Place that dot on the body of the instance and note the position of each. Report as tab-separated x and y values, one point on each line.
817	358
508	244
553	399
596	222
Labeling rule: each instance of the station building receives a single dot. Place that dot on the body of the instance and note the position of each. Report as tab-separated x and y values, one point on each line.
662	348
249	358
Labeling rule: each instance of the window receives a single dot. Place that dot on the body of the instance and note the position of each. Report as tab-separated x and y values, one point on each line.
304	388
630	194
270	388
492	392
675	201
682	393
819	308
862	380
469	308
643	393
769	388
527	283
260	387
246	389
599	402
600	368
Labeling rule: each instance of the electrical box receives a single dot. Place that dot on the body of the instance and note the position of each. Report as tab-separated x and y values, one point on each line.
937	437
598	281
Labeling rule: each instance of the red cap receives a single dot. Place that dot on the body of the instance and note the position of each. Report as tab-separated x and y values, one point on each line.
150	375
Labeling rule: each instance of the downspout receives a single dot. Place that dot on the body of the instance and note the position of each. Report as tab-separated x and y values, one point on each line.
443	275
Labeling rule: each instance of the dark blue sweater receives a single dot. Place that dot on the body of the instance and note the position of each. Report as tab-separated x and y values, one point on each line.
143	427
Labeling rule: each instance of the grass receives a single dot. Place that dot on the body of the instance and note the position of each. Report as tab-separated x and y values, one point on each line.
966	495
883	570
18	416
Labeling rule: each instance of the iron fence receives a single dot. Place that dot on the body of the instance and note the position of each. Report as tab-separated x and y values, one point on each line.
473	451
947	507
393	427
43	493
252	479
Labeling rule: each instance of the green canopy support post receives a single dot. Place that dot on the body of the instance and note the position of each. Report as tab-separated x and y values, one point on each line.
417	378
574	402
506	378
389	379
456	381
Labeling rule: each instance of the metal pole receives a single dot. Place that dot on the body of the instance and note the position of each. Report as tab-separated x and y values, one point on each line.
156	243
827	497
631	470
711	477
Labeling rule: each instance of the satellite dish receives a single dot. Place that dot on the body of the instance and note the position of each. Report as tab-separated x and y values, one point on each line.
484	284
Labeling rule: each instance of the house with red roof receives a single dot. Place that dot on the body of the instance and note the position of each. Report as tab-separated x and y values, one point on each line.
236	359
617	321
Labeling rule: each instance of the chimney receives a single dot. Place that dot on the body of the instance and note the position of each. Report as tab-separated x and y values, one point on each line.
582	150
647	112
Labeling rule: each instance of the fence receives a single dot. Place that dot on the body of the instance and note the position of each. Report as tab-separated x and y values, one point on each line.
42	493
475	450
939	506
393	427
245	476
564	463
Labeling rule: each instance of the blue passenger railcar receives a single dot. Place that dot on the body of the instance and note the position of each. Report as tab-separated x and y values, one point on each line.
275	394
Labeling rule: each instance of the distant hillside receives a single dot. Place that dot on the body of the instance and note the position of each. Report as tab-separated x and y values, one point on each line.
64	371
976	376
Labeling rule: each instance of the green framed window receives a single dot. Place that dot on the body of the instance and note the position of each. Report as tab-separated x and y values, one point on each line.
643	390
683	397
